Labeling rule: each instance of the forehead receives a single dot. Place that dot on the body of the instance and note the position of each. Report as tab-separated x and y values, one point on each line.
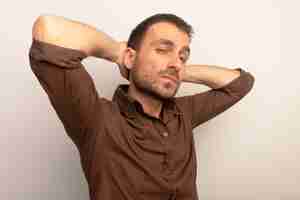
168	31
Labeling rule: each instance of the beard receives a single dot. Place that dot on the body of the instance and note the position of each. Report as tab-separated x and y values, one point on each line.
151	86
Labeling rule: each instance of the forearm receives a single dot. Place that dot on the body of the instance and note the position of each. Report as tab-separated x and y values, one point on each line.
75	35
210	75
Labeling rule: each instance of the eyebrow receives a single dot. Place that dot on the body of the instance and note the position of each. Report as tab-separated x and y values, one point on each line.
169	43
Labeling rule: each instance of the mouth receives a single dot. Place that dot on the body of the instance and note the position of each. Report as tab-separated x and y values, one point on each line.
172	78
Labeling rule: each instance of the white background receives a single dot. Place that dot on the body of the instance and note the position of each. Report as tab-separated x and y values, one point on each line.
249	152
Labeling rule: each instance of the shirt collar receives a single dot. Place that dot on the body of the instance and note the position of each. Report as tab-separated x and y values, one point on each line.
131	107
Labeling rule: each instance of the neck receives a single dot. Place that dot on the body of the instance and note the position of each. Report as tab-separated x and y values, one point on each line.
150	104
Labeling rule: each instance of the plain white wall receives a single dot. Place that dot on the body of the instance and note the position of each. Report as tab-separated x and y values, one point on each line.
249	152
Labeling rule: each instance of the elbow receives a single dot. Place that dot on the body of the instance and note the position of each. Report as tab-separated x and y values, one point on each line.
251	80
39	29
248	85
245	82
241	86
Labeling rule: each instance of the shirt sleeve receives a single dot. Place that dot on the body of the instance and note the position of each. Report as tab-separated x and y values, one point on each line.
204	106
68	85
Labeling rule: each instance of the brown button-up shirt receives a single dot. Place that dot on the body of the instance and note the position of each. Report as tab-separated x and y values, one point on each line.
125	153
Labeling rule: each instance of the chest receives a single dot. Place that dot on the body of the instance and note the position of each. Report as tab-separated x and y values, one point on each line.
155	144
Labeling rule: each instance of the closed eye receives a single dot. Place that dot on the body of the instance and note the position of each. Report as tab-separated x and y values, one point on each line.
161	50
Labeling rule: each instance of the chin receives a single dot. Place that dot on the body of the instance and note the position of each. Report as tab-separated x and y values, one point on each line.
167	93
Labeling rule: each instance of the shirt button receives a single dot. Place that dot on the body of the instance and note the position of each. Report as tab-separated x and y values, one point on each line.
165	134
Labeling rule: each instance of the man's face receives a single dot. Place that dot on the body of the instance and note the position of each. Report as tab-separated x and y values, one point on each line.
158	65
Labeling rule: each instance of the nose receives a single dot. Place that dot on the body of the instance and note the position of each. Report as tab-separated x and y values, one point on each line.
176	63
175	67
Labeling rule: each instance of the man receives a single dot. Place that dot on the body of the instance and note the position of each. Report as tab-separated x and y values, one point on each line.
139	145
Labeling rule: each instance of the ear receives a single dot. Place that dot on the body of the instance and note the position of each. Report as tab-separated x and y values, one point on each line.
129	57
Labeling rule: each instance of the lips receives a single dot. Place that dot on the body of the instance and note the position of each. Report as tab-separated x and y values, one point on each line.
172	78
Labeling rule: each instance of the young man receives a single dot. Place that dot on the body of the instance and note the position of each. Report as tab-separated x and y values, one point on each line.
139	145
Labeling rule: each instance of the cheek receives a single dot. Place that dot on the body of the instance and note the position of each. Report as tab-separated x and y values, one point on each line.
157	65
143	71
150	66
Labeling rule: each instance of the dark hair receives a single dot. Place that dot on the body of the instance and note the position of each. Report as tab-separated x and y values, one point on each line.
138	33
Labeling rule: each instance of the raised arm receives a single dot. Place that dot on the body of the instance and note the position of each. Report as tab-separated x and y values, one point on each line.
209	75
68	33
76	35
228	86
58	47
